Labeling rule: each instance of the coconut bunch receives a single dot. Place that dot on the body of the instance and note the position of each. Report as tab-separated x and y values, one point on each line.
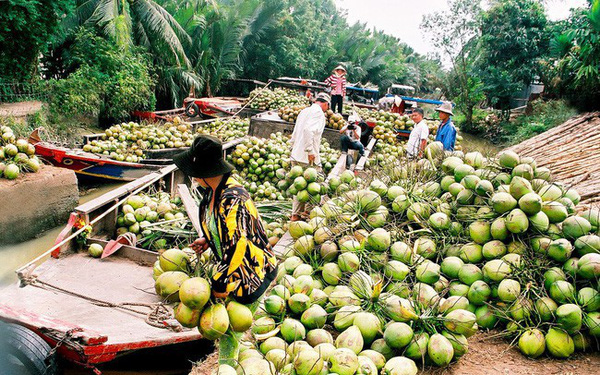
290	113
157	220
127	141
16	155
526	261
260	164
306	184
266	99
226	129
334	120
183	278
336	310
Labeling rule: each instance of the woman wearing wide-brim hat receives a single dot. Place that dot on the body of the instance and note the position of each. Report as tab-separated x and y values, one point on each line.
232	228
337	84
446	132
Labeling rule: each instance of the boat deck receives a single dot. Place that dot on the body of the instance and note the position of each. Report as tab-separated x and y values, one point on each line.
115	280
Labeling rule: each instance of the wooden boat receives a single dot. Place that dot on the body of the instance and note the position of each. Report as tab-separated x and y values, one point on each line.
94	310
88	164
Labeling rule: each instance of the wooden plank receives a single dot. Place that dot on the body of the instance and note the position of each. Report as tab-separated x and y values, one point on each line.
140	256
361	163
126	189
284	245
190	206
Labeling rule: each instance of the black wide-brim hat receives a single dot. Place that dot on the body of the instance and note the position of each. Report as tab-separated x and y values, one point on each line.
204	159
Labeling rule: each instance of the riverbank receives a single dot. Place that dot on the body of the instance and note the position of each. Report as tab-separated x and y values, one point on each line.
36	202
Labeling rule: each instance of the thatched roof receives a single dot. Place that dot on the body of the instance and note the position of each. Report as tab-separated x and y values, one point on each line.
572	152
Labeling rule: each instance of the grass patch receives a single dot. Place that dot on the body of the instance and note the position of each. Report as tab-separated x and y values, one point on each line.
544	116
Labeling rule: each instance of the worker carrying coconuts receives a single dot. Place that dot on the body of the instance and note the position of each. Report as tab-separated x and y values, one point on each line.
231	225
306	142
446	132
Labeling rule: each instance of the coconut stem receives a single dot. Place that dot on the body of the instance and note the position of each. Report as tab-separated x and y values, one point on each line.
229	343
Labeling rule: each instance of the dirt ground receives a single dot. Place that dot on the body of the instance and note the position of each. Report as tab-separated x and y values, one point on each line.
487	356
20	109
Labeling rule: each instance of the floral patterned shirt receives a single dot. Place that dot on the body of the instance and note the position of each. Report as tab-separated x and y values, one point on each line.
247	263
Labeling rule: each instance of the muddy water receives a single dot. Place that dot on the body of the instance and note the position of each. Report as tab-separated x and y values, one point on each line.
14	256
474	143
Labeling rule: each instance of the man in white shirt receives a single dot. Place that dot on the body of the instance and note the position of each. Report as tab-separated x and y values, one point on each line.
351	138
306	142
418	136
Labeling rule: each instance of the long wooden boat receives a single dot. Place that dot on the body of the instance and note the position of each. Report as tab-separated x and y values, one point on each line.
94	310
88	164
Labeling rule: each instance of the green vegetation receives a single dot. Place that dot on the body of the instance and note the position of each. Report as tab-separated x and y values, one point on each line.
103	59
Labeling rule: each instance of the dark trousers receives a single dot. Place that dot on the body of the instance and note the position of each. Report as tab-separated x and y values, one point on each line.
337	100
348	143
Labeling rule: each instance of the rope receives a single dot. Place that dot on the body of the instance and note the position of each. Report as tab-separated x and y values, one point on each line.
159	315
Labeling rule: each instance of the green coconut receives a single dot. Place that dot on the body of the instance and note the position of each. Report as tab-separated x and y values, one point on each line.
440	350
314	317
400	366
562	291
469	273
555	211
539	222
459	343
188	318
377	358
331	273
519	186
174	260
484	188
308	362
560	250
378	240
532	343
451	265
440	221
493	249
588	266
273	343
369	326
569	317
480	232
486	317
553	274
343	362
496	269
587	244
575	226
263	325
498	229
509	290
517	222
592	322
479	292
460	321
344	317
471	253
397	335
240	316
292	330
559	343
427	272
167	285
348	262
545	308
214	322
453	303
351	338
402	252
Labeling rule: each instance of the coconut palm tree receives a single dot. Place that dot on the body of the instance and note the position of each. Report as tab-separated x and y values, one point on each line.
142	23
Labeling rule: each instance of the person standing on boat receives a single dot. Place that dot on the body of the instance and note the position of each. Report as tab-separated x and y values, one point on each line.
337	83
306	142
446	132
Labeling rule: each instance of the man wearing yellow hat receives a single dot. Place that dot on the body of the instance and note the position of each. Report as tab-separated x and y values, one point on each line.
446	132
